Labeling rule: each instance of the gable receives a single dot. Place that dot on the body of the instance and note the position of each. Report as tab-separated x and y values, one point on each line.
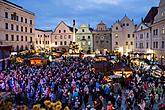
62	27
142	26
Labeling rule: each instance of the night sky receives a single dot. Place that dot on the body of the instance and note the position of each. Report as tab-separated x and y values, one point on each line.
50	12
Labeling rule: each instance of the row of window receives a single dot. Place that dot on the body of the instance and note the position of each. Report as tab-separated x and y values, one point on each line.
17	28
43	42
21	48
17	38
123	25
155	45
63	43
156	31
102	42
43	35
116	43
142	35
64	37
128	35
14	16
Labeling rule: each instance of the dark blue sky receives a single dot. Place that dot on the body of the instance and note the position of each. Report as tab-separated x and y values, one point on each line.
50	12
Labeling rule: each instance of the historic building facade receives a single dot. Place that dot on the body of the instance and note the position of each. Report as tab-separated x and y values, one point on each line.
158	32
42	39
102	38
62	36
84	38
123	35
16	26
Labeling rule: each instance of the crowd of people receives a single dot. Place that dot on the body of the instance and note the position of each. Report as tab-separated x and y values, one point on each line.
75	84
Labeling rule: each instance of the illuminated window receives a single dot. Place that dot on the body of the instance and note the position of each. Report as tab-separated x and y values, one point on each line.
116	35
163	30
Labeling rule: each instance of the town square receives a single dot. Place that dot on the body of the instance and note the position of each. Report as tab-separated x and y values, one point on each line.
74	55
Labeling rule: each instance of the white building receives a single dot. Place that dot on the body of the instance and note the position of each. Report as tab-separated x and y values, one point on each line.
42	39
123	35
158	32
62	36
16	26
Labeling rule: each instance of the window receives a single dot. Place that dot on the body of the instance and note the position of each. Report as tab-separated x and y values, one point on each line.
61	43
156	44
25	38
48	42
141	36
126	43
162	14
6	25
116	35
21	38
107	41
25	20
155	32
128	35
17	18
12	37
64	31
116	43
17	37
30	30
162	44
21	28
127	24
7	37
89	43
65	43
97	41
12	17
25	29
83	37
116	28
89	37
136	45
12	27
133	35
123	24
40	42
59	31
43	42
31	39
83	30
70	42
6	14
131	43
21	19
21	47
163	30
147	45
31	22
61	37
141	45
17	28
147	35
55	43
17	48
69	36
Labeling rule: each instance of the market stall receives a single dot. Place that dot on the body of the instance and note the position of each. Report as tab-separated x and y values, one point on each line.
38	61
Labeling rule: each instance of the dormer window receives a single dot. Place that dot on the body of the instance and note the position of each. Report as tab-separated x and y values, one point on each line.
116	28
162	14
83	30
59	31
124	24
127	24
141	27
